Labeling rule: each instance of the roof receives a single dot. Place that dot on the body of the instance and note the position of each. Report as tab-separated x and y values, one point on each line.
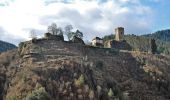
97	38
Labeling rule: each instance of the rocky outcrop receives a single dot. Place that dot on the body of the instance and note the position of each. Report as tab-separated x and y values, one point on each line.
60	70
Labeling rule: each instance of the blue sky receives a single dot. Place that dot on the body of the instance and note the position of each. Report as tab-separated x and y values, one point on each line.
161	11
92	17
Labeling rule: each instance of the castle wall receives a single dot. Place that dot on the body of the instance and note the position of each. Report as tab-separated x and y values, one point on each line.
121	45
47	49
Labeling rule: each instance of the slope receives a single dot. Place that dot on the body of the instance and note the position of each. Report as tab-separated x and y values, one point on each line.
57	70
142	43
163	35
4	46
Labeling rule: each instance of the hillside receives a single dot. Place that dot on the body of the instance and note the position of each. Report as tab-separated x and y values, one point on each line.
163	35
142	43
58	70
4	46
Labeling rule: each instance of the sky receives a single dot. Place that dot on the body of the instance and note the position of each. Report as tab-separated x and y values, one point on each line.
92	17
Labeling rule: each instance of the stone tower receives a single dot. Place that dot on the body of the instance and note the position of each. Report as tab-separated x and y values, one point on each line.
119	33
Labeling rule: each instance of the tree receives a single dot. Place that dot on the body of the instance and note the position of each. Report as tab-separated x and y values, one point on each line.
71	34
53	29
39	94
68	32
153	46
78	34
33	34
60	31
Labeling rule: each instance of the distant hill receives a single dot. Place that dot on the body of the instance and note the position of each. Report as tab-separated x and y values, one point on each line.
163	35
4	46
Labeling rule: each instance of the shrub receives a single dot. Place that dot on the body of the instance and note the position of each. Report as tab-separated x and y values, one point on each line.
80	81
110	93
91	95
24	78
39	94
14	98
34	40
22	45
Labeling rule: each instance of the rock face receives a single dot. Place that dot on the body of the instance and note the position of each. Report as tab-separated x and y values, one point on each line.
4	46
58	70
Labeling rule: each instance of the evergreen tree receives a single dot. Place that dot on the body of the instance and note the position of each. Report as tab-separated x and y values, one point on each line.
153	46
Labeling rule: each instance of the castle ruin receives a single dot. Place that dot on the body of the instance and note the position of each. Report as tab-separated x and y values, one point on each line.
119	33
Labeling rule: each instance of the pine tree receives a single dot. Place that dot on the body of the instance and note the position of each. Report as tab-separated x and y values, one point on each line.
153	46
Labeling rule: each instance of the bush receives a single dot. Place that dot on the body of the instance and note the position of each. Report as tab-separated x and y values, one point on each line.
80	81
99	65
110	93
34	40
91	95
22	45
39	94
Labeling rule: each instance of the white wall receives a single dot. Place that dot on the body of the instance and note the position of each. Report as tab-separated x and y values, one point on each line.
97	41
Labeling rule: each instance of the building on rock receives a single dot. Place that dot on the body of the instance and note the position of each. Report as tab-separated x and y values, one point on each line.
97	42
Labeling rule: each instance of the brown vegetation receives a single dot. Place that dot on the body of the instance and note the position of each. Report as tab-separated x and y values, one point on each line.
60	70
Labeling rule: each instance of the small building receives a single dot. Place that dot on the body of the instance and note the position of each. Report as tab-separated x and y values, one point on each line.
119	33
97	42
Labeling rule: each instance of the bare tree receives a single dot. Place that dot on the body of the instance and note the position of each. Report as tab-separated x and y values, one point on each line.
59	31
33	34
53	29
68	32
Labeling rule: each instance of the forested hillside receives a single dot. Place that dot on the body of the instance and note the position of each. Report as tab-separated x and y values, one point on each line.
142	43
4	46
163	35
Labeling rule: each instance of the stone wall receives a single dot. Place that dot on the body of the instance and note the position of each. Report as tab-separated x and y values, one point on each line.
121	45
47	49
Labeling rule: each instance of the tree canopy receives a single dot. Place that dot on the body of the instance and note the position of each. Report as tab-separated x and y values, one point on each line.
53	29
70	34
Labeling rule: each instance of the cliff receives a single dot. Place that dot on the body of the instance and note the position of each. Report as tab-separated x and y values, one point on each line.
59	70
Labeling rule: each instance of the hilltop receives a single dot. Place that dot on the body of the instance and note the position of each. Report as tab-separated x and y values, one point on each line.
60	70
142	43
163	35
4	46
